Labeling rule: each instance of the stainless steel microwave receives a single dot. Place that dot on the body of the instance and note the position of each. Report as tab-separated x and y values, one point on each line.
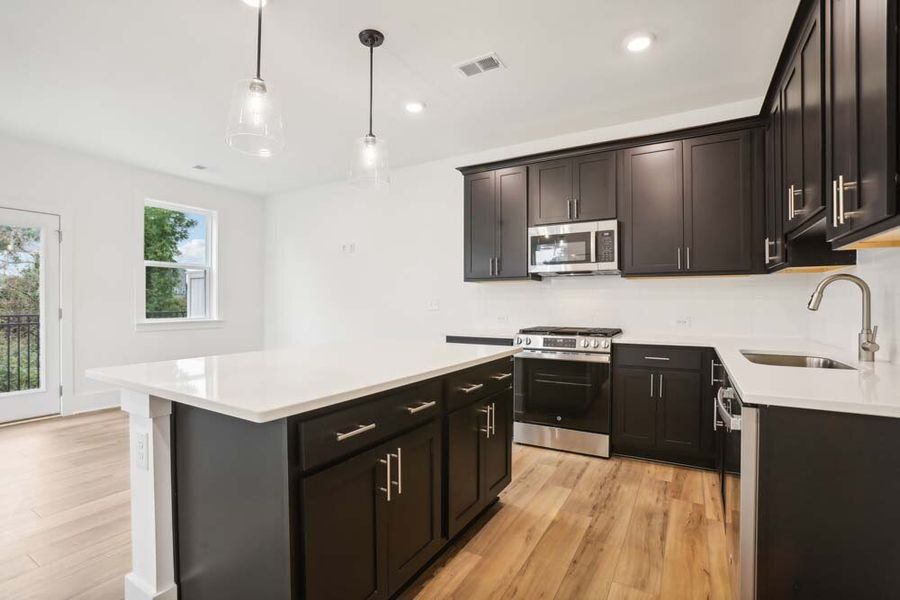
590	248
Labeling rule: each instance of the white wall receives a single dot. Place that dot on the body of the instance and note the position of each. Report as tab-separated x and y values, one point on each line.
409	254
100	203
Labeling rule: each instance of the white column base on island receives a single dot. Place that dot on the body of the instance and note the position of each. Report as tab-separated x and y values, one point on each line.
152	574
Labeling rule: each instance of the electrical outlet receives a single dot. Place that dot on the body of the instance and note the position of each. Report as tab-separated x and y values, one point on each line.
141	451
348	248
683	322
433	305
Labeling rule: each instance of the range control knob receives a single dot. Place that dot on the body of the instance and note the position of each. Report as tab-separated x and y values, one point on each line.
606	343
528	341
518	340
584	343
595	343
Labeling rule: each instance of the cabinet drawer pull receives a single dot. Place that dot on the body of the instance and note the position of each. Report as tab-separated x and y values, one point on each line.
501	376
472	388
399	482
387	481
657	358
416	409
360	429
660	385
493	425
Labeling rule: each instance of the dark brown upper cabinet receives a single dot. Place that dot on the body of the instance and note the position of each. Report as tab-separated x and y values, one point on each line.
803	128
495	225
579	189
774	243
719	219
651	209
692	207
860	117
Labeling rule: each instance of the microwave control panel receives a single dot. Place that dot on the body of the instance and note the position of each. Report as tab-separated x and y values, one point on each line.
606	246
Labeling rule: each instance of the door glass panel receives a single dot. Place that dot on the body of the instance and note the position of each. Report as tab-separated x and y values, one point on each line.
556	249
20	308
176	293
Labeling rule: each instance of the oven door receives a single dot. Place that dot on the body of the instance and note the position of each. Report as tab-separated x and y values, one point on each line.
562	248
553	389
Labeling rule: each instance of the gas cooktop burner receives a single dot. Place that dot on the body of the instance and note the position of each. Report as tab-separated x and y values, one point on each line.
583	331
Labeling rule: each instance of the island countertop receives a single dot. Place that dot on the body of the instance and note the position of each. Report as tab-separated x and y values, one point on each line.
267	385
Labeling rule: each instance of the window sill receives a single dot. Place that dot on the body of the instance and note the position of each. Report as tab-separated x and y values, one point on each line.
178	324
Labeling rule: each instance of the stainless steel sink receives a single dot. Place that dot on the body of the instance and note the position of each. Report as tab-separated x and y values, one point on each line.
794	360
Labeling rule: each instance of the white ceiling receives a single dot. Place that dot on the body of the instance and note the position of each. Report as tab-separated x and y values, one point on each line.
148	81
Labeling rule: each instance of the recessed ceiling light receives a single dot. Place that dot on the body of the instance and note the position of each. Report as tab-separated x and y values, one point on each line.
415	107
255	3
638	42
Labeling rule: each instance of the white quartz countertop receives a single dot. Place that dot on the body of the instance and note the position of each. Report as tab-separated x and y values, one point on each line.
268	385
868	389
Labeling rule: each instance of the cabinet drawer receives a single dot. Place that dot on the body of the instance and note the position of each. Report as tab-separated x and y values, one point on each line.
478	382
338	434
658	357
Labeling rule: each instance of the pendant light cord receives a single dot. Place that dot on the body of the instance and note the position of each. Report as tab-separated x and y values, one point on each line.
371	66
259	39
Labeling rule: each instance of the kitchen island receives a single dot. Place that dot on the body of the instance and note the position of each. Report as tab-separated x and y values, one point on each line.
316	472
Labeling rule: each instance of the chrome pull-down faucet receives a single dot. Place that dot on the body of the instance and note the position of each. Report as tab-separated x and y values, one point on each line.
867	345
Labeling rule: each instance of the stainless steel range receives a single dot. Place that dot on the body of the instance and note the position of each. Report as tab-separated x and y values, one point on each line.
563	388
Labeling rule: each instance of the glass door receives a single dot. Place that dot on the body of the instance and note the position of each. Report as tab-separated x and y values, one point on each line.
562	393
29	314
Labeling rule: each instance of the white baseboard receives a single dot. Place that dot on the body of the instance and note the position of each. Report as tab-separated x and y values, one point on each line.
90	401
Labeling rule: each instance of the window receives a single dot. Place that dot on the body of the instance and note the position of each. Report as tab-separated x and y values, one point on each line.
179	265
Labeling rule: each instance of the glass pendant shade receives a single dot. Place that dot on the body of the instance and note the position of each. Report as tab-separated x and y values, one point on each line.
255	126
370	168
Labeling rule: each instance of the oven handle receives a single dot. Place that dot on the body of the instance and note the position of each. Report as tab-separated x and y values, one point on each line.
569	356
732	423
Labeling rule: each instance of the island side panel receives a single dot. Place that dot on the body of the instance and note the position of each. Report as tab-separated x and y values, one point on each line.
232	507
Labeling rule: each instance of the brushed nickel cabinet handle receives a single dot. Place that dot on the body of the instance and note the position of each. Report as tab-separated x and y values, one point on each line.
486	430
387	462
834	203
501	376
841	207
657	358
679	258
493	419
660	386
688	251
651	385
471	388
399	482
768	258
575	203
423	406
360	429
790	203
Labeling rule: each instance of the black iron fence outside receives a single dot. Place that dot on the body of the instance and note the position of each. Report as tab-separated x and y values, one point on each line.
20	352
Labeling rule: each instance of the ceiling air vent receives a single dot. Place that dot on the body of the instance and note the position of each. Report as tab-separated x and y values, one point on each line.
481	64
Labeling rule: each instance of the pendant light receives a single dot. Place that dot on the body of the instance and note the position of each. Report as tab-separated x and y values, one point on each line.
254	124
369	169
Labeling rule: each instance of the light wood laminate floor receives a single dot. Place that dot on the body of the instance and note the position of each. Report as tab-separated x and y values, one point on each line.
568	526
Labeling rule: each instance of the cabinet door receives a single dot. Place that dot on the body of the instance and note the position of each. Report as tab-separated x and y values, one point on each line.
858	168
480	226
594	186
652	209
512	222
718	206
466	434
792	153
498	447
679	413
774	198
414	512
634	401
804	128
550	192
344	530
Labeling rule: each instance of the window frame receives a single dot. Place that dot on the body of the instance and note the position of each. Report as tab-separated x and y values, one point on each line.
212	317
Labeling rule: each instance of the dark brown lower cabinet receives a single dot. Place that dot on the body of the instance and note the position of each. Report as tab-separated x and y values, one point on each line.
360	543
479	457
828	514
663	413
